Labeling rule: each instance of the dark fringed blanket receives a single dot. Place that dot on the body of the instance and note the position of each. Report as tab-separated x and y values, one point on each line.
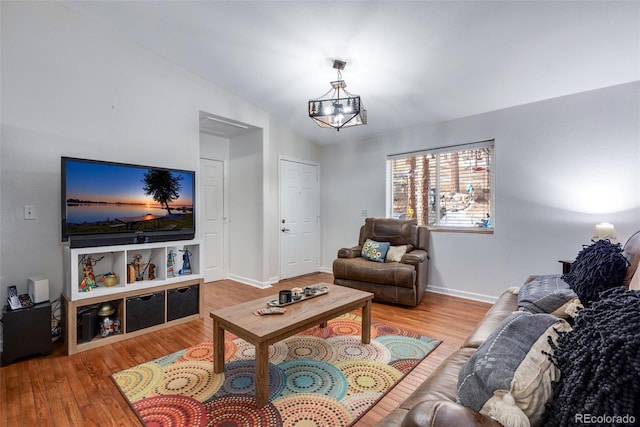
599	361
597	267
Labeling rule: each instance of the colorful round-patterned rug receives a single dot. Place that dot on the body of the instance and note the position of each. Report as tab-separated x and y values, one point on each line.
170	358
190	378
236	410
171	411
320	377
139	381
302	410
239	378
310	347
379	328
351	347
367	376
404	365
313	376
245	351
359	403
403	347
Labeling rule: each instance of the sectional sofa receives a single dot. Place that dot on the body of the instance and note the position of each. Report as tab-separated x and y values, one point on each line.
434	402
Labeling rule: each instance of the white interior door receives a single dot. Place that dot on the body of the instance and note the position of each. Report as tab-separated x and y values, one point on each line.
213	223
299	219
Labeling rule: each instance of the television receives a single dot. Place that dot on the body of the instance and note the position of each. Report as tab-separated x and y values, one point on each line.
107	203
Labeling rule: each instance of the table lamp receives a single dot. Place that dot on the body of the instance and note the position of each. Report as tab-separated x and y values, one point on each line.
605	230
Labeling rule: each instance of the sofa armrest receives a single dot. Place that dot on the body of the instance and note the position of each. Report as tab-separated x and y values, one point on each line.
444	413
415	257
353	252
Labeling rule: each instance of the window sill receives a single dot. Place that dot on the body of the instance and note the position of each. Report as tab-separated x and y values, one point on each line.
477	230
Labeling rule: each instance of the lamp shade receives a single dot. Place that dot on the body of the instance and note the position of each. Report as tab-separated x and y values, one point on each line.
337	108
605	231
338	112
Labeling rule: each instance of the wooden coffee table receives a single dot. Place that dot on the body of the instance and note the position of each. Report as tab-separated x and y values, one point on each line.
262	331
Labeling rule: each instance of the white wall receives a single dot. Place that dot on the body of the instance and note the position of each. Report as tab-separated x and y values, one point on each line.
243	190
214	147
246	209
562	166
73	88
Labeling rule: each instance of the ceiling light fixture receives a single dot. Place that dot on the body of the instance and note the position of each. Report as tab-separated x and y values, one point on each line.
339	110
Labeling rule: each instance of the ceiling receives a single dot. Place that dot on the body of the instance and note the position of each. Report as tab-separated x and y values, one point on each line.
412	62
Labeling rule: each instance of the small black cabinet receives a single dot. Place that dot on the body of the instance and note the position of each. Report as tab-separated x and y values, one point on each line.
26	332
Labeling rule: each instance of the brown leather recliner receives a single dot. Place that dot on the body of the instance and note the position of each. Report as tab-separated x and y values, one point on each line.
402	282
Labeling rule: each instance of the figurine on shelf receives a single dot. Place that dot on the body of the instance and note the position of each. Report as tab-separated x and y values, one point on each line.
108	324
89	277
186	262
140	266
131	273
171	261
152	271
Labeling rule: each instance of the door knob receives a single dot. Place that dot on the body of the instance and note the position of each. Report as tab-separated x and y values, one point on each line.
284	230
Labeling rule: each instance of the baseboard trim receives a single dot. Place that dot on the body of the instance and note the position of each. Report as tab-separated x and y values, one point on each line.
250	282
445	291
462	294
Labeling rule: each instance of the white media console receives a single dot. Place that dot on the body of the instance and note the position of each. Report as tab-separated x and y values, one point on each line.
146	292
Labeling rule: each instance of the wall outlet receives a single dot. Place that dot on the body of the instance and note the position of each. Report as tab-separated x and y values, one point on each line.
29	212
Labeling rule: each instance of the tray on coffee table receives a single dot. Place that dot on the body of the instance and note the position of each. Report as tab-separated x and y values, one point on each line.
321	291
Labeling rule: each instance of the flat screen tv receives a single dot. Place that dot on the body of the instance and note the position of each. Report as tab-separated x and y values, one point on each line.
106	203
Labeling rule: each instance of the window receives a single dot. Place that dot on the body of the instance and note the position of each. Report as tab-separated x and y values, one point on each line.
447	188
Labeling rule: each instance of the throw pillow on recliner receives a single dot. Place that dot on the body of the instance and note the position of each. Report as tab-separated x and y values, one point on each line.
375	251
598	267
395	253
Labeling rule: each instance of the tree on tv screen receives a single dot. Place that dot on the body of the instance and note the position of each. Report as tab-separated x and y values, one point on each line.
163	186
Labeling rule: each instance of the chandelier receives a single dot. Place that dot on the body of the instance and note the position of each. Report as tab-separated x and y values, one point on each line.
338	108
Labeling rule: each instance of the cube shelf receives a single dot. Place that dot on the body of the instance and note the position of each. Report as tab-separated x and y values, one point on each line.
156	285
131	265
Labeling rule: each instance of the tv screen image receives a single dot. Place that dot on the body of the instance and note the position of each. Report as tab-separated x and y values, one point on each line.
105	203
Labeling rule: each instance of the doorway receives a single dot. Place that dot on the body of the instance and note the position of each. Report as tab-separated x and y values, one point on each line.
299	221
213	222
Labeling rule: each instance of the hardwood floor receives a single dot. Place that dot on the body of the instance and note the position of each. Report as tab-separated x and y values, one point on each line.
59	390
